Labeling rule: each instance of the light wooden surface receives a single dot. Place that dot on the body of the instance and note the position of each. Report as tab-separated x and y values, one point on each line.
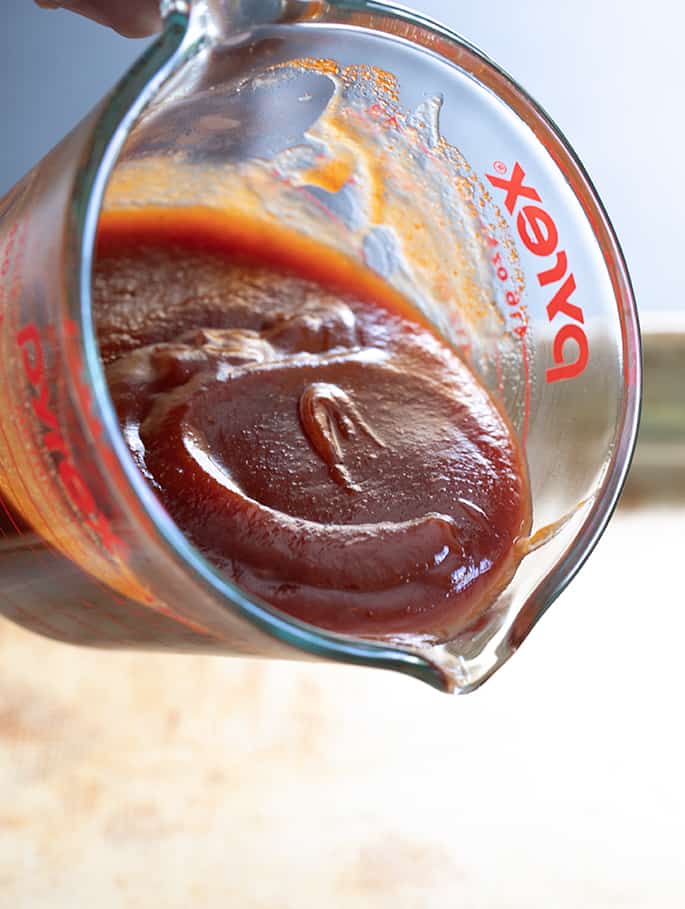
154	781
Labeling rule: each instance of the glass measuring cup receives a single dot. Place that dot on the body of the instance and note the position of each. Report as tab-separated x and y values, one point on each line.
486	222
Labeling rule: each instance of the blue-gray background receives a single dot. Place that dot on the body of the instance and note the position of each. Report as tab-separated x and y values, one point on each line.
608	72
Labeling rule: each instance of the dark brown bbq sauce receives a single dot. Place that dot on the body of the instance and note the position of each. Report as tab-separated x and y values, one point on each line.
303	427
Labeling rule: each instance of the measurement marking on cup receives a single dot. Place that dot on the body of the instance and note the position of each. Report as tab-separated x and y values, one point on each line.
82	499
539	234
517	309
74	485
518	313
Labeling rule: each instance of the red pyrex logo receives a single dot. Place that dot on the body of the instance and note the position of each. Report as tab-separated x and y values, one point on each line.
538	232
75	488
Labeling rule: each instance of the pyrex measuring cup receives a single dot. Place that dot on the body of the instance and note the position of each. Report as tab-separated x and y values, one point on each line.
396	144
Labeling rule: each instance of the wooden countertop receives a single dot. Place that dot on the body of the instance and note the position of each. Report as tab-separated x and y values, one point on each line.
137	780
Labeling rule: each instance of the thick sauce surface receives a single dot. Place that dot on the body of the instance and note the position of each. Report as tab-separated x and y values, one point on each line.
304	429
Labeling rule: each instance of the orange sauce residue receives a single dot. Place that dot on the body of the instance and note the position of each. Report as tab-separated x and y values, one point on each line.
198	227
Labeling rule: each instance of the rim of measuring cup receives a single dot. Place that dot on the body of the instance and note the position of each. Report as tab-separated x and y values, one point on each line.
165	56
